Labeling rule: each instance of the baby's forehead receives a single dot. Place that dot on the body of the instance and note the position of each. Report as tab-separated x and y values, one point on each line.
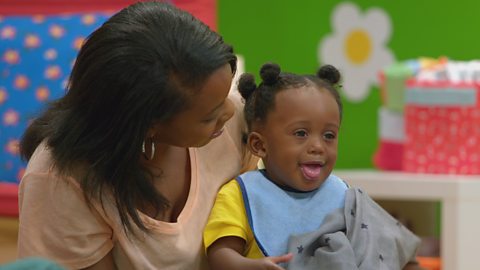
301	90
302	98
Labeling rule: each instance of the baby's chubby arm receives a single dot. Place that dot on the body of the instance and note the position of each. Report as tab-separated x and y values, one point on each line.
226	254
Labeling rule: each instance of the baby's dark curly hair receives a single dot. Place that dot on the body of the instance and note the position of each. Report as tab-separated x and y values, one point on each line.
259	100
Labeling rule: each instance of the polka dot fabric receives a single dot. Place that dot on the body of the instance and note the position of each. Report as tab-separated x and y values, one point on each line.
443	138
36	56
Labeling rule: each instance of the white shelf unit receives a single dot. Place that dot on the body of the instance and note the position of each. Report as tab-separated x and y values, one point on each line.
460	214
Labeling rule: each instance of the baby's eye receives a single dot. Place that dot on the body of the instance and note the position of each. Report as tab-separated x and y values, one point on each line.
300	133
329	135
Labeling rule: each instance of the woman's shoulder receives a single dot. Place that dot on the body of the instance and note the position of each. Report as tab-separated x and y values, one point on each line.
42	174
56	203
41	160
42	183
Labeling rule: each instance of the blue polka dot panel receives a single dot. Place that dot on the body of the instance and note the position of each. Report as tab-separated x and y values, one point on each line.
36	57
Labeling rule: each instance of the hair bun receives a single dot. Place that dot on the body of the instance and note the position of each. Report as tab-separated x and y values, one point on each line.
329	73
246	85
270	73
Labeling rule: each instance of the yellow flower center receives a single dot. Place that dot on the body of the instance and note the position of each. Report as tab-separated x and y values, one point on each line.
358	46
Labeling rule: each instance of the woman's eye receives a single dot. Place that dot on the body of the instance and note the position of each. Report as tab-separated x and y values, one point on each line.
300	133
209	120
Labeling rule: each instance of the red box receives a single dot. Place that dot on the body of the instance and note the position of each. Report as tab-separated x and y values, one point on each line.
442	128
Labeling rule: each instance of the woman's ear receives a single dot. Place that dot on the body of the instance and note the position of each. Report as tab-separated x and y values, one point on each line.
256	144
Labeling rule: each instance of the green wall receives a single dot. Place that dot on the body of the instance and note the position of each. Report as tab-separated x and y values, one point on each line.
288	32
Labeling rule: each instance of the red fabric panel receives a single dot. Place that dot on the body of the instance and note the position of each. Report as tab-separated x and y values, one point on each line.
32	7
8	199
205	10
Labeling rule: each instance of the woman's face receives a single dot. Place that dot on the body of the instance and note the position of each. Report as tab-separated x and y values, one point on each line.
205	118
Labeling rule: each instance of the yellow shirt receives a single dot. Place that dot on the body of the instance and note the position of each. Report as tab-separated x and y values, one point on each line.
229	218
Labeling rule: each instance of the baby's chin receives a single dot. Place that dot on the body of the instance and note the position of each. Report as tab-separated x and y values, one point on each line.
311	184
308	185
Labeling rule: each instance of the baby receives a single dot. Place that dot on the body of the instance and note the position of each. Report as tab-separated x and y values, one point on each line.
295	214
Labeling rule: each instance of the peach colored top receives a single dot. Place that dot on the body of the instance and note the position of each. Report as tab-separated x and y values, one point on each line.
56	223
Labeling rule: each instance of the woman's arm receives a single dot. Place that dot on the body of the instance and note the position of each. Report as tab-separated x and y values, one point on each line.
226	253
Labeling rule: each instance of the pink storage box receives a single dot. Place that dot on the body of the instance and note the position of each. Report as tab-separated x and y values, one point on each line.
442	128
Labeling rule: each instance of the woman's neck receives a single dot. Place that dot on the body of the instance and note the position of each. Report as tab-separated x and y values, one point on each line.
172	176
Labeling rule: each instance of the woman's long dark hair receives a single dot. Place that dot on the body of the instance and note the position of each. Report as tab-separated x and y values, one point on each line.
142	65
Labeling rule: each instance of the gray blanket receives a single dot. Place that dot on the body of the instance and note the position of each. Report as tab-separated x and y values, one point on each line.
360	236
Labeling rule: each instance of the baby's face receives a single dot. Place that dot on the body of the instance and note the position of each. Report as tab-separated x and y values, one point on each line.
300	138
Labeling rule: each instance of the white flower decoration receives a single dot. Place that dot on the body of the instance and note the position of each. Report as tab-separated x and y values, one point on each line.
357	48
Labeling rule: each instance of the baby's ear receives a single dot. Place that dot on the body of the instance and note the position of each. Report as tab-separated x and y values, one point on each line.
256	144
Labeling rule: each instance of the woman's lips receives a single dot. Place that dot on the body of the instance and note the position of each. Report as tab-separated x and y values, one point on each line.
217	133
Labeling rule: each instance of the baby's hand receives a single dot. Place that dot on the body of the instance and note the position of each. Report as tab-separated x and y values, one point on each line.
271	263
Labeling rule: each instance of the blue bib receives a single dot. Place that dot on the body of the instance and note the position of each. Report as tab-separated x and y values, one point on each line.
275	214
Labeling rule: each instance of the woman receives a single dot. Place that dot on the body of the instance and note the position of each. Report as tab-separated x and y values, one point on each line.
120	174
